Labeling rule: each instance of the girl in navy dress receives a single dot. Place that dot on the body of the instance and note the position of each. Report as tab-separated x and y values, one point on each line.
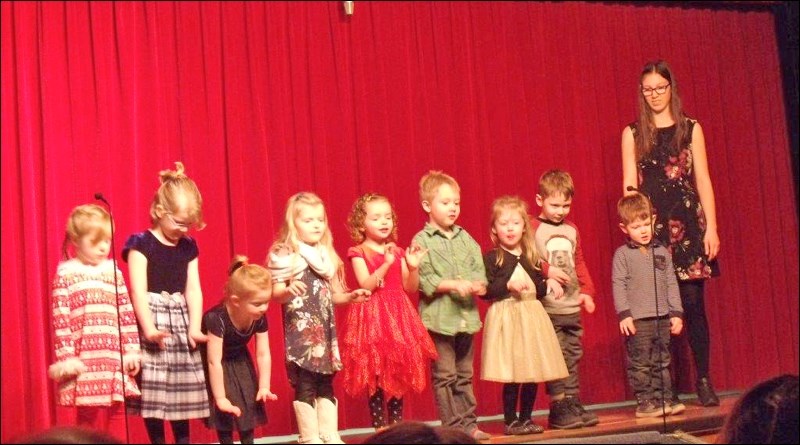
165	288
238	391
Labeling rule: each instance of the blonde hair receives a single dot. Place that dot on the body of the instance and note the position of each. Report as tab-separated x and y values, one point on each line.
553	182
245	279
358	214
633	208
175	183
527	243
287	236
430	183
87	219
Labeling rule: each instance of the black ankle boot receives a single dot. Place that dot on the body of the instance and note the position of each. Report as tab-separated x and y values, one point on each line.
706	394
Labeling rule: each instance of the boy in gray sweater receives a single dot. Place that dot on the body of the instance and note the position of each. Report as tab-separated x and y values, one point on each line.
648	304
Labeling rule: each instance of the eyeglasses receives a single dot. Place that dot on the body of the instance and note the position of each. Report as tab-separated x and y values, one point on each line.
180	225
657	91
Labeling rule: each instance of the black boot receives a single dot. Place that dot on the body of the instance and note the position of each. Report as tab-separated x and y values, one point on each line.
706	394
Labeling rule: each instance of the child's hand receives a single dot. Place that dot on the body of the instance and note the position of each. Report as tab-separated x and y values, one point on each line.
626	326
265	394
463	288
558	275
359	295
157	336
297	288
555	288
587	301
226	406
389	253
675	325
131	364
134	368
516	287
197	337
478	288
414	255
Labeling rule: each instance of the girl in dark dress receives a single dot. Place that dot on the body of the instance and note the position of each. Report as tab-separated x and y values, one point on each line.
237	391
664	156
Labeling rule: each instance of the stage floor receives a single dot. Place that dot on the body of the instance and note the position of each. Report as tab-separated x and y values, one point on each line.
616	418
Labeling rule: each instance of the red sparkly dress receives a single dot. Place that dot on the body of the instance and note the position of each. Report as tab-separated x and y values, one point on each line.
385	343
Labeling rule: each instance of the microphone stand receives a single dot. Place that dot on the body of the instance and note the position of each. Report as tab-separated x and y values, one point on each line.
662	403
99	197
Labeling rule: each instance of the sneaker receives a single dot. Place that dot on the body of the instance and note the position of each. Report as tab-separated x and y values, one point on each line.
532	427
515	428
649	408
676	405
706	394
562	415
477	434
588	418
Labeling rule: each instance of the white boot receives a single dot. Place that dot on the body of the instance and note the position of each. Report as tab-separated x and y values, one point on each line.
328	416
306	422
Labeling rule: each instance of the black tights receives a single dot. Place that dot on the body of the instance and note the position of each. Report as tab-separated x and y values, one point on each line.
694	313
394	405
227	436
526	397
155	430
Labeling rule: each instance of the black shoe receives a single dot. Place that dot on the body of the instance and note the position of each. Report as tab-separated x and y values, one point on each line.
562	415
706	394
532	427
588	418
515	428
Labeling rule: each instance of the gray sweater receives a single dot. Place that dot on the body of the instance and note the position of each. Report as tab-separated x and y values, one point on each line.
632	277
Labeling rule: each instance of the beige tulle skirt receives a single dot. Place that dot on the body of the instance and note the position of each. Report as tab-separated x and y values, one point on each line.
520	344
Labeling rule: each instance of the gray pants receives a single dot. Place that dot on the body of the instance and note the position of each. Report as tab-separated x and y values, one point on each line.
648	360
569	331
452	380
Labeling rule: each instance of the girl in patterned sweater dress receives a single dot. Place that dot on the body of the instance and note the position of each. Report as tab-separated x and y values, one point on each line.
96	342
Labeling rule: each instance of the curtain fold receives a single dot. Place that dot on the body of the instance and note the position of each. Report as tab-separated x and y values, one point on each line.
261	100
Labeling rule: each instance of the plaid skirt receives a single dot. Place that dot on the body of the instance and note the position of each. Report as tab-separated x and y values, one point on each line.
172	381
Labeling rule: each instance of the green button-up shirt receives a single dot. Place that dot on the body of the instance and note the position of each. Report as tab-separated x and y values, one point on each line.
458	257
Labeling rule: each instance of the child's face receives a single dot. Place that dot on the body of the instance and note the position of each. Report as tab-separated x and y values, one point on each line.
444	208
175	224
310	223
508	227
378	223
255	305
92	251
640	231
555	207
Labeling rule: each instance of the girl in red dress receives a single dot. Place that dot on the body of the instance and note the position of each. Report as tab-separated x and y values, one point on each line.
386	347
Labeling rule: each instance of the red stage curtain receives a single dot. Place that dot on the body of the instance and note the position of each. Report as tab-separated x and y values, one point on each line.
264	99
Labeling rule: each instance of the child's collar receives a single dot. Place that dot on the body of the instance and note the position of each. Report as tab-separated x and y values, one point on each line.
634	245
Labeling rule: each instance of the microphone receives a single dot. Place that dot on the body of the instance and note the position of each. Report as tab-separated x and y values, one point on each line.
99	196
629	188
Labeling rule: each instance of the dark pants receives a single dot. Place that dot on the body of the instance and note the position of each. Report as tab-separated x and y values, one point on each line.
308	385
648	359
569	331
452	380
694	313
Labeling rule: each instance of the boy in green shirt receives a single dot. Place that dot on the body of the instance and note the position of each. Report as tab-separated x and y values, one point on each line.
450	277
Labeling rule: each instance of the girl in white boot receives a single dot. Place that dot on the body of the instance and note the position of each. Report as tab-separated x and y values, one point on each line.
308	279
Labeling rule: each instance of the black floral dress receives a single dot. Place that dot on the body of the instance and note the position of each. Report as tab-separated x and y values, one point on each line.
668	179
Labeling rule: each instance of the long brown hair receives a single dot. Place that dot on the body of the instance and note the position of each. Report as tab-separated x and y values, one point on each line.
644	136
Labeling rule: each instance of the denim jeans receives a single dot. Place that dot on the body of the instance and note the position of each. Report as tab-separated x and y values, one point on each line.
648	359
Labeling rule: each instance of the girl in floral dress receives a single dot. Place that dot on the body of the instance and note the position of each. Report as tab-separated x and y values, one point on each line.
308	279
